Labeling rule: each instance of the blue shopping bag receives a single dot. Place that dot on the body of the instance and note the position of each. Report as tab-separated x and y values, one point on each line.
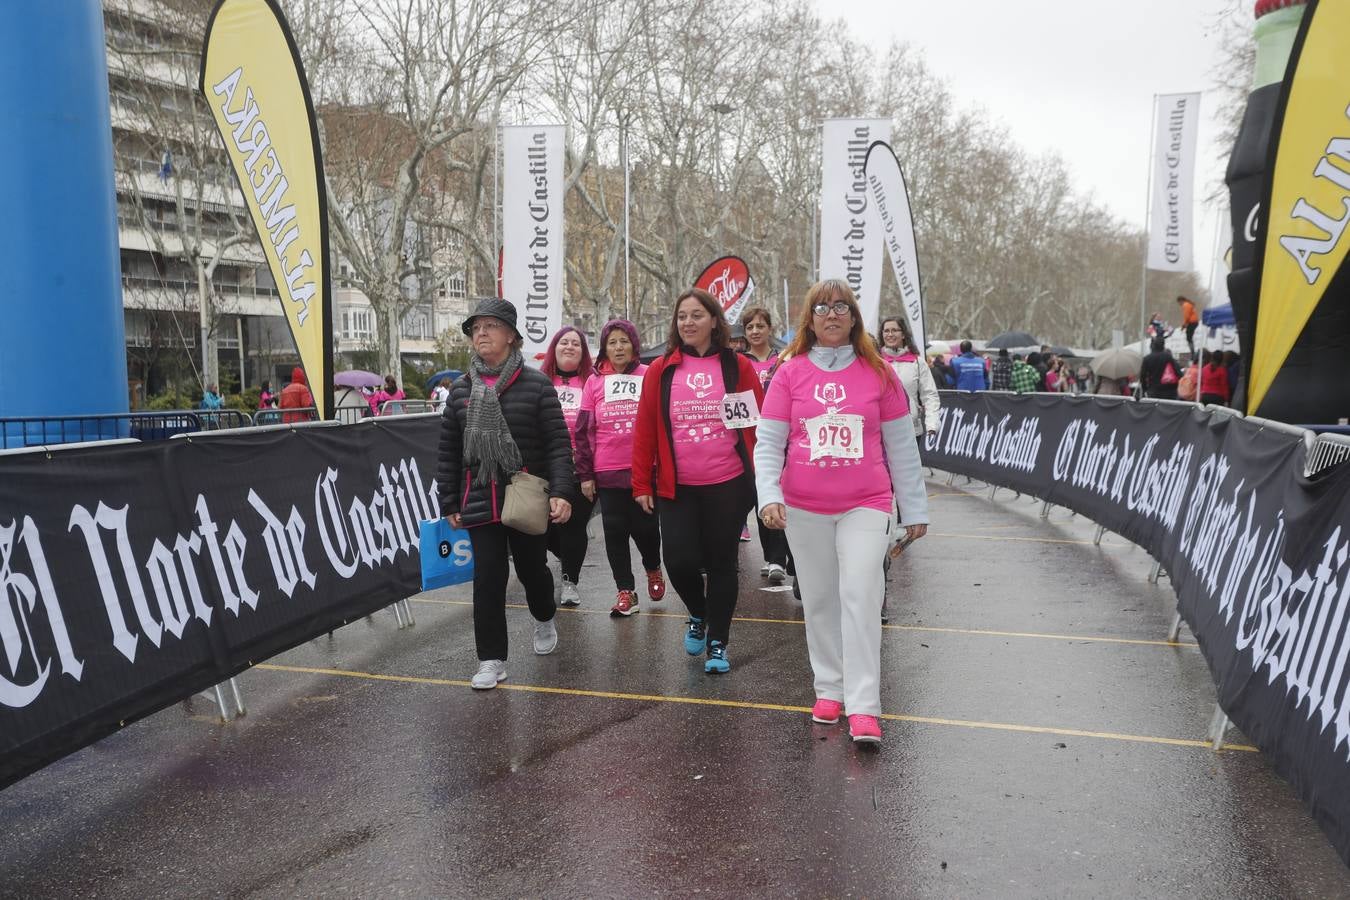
447	555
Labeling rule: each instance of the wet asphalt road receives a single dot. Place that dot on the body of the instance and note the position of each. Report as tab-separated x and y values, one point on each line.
1043	739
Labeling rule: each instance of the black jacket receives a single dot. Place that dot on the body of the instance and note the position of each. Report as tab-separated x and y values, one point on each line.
1151	373
535	420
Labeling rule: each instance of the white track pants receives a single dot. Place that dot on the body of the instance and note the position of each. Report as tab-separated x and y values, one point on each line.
838	560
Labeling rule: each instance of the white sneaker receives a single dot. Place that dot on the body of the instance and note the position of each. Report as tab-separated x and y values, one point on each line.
570	597
490	671
777	574
545	637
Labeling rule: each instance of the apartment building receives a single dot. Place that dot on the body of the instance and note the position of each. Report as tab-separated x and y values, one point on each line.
191	262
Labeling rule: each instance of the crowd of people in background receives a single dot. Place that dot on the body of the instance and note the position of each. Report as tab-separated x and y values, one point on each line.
1209	377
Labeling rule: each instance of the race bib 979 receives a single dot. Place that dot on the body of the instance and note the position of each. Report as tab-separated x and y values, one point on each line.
740	410
836	436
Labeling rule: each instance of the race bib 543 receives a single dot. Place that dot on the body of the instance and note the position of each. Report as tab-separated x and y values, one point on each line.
740	410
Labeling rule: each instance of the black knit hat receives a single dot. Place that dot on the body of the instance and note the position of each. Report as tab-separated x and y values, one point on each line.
495	307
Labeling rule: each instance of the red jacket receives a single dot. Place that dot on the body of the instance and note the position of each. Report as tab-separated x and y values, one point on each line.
652	443
1214	380
296	396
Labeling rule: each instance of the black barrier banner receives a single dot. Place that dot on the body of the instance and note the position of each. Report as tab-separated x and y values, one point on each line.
1257	553
135	575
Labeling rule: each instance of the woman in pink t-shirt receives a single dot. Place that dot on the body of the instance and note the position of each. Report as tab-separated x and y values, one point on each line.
604	458
390	391
692	445
835	451
567	363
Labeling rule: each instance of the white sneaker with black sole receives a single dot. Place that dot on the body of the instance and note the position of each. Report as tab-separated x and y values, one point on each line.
777	574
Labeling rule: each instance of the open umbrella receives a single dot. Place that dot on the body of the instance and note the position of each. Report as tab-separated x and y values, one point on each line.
1061	351
357	378
938	348
1011	339
1119	363
452	374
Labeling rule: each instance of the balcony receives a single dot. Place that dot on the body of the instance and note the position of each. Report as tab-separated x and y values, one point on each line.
170	294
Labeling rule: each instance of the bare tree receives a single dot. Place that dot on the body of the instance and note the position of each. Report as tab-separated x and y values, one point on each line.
720	105
424	77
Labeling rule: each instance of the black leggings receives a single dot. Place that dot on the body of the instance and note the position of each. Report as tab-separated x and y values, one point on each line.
701	529
624	519
529	552
568	540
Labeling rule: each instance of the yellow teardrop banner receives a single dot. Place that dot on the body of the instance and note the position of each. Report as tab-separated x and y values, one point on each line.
255	86
1306	236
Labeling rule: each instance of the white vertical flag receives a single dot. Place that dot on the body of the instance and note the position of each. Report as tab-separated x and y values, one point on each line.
532	230
850	235
890	207
1170	220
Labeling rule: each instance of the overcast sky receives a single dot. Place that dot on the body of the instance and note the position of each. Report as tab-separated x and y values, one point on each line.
1076	78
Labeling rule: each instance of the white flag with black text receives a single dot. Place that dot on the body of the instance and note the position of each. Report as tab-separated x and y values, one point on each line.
1171	213
850	237
890	206
532	230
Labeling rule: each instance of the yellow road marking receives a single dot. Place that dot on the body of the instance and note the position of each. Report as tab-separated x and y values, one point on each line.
746	704
919	628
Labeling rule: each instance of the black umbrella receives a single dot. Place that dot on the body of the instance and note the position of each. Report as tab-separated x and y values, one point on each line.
1011	339
1061	351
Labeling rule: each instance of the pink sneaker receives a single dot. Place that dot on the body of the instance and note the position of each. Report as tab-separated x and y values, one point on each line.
826	712
864	729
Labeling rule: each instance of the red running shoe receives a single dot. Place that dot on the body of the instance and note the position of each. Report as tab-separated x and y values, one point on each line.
656	585
864	729
826	712
626	605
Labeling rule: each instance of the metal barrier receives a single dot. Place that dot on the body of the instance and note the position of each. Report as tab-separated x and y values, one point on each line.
350	415
49	449
144	425
404	407
291	416
1321	452
258	429
221	419
1327	450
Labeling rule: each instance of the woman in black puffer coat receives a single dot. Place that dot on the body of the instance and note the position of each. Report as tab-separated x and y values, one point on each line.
502	416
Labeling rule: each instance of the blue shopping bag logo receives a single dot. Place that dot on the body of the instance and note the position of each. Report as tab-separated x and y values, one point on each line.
447	555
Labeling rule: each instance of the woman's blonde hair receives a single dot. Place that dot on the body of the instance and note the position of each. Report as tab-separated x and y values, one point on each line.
832	290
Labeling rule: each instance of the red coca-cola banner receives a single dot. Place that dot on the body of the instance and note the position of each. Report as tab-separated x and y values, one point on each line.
728	280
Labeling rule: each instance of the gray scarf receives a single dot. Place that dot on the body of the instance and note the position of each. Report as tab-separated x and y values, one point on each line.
487	441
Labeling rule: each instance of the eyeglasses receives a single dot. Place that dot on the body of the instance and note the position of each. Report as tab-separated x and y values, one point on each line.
839	308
